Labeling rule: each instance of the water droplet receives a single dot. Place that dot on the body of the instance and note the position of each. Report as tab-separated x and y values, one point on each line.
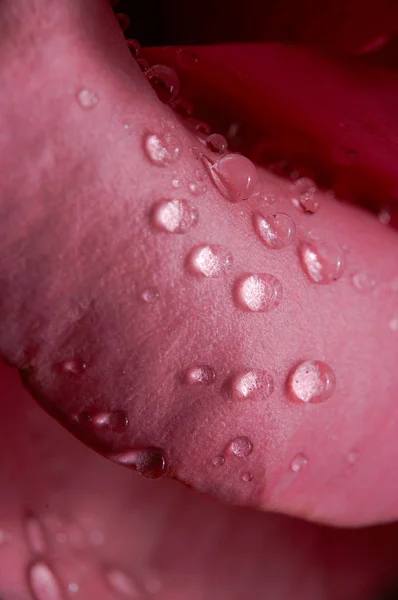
124	21
252	384
73	588
143	64
87	98
187	59
116	420
298	462
235	176
394	324
312	381
363	282
241	447
43	583
200	375
150	462
276	230
73	366
197	188
322	262
210	260
162	150
218	461
353	456
384	216
150	295
121	583
217	143
134	46
258	292
34	534
183	107
176	183
174	216
247	477
305	200
164	81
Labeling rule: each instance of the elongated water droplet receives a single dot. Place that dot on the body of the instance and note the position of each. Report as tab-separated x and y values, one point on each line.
187	59
247	477
87	98
116	420
162	150
258	292
235	176
43	583
363	282
276	230
164	81
200	375
150	295
298	462
241	447
174	216
121	583
134	46
210	260
150	462
252	384
311	381
322	262
217	143
218	461
34	534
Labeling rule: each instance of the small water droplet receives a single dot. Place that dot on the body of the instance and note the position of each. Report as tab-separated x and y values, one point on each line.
363	282
218	461
252	384
124	21
187	59
162	150
150	295
197	188
305	199
143	64
200	375
385	216
353	456
393	324
217	143
235	176
312	381
210	260
322	262
121	583
258	292
43	583
73	588
87	98
134	46
263	199
247	477
116	420
34	533
176	183
150	462
241	447
164	81
276	230
174	216
73	366
298	462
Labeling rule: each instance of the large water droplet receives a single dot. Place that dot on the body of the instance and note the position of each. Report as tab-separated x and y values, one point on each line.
187	59
364	282
150	462
150	295
276	230
43	583
252	385
164	81
121	583
322	262
162	150
200	375
210	260
34	533
174	216
258	292
311	381
87	98
235	176
217	143
298	462
241	447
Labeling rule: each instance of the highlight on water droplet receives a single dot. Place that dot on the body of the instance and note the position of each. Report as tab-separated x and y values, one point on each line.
87	98
240	446
363	281
162	150
34	534
164	81
209	260
187	59
311	381
150	462
276	230
235	176
322	262
43	583
174	215
298	462
218	461
199	375
247	477
134	46
217	143
251	384
258	292
121	583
